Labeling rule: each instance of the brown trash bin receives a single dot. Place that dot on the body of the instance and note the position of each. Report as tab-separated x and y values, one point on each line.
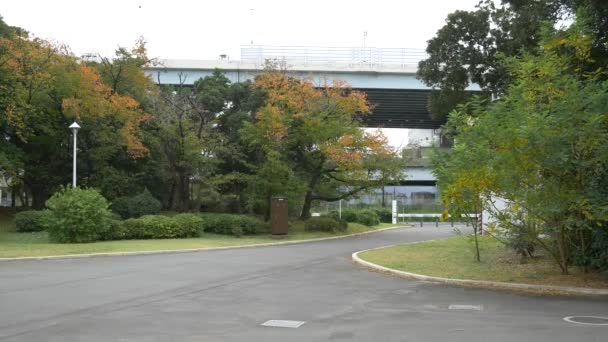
278	216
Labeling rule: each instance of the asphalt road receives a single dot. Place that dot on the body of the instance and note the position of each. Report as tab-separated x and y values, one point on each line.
227	295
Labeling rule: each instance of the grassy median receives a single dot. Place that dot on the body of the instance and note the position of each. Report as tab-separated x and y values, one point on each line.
37	244
454	258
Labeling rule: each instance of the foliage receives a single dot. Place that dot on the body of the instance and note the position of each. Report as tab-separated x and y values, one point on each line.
158	227
325	224
190	222
197	142
385	215
598	254
143	204
43	89
542	147
366	217
120	206
77	215
31	220
469	48
232	224
310	142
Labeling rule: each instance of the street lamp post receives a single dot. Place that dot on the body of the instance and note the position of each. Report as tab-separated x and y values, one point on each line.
74	127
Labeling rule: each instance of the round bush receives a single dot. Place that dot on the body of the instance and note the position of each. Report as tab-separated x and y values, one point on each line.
349	215
143	204
120	206
31	220
367	217
325	224
190	224
384	214
364	216
77	215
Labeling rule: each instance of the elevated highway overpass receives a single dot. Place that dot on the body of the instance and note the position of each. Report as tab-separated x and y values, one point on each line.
388	76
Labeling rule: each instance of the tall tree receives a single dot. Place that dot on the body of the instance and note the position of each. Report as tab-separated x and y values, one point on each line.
48	89
313	138
543	146
470	47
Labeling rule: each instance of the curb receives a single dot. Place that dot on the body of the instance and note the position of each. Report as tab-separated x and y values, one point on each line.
190	250
527	288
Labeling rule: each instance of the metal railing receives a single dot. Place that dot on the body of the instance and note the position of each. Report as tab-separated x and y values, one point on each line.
318	55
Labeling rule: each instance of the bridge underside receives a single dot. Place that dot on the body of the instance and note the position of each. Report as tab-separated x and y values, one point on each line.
399	108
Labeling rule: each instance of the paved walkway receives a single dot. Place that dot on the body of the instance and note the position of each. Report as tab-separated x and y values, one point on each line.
226	295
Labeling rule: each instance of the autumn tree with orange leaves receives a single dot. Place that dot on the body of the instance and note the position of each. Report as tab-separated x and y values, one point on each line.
46	88
312	145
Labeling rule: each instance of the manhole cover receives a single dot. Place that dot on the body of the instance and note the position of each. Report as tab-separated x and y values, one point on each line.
283	324
465	307
587	320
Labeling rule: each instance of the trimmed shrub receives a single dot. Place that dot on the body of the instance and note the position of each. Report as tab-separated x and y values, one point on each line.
31	221
384	214
365	216
115	230
155	227
232	224
77	215
325	224
368	217
136	206
192	223
159	227
333	214
349	215
143	204
120	206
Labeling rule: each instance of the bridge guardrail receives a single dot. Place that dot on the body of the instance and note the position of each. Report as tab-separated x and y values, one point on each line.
352	55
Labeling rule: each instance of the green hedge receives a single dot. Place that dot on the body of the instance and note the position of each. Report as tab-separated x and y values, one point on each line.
232	224
384	214
366	217
325	224
31	221
156	227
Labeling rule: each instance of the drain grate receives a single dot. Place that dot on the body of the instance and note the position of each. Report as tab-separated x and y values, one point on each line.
283	324
587	320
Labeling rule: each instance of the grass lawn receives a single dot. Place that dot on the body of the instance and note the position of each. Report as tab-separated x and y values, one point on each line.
37	244
454	258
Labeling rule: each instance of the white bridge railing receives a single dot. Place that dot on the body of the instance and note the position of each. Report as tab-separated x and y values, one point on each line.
315	55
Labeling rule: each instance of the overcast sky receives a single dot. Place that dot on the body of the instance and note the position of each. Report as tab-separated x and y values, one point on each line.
206	29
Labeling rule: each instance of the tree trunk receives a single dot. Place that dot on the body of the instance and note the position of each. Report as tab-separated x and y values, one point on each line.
13	197
180	192
561	247
268	204
39	197
305	215
171	195
307	205
475	230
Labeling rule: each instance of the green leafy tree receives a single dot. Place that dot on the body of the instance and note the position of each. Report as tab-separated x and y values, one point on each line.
48	88
470	47
315	134
543	146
